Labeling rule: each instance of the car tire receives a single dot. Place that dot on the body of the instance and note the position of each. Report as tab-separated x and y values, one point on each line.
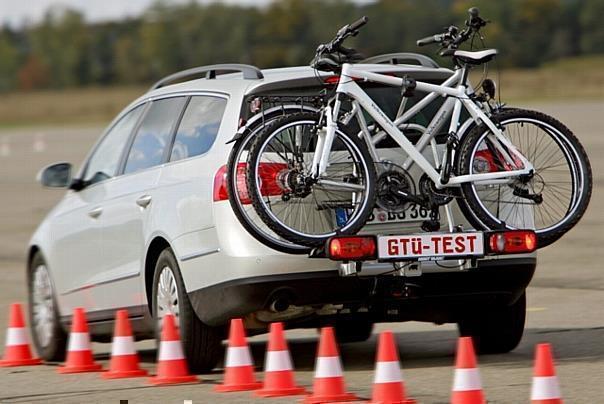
202	344
498	329
49	337
353	330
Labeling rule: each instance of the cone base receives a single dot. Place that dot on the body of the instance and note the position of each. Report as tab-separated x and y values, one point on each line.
4	363
188	379
124	374
330	398
93	367
225	388
289	391
405	401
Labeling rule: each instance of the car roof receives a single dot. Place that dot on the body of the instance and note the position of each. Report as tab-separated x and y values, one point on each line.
298	76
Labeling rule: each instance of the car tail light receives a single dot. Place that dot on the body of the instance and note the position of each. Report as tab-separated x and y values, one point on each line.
269	185
351	248
512	242
220	185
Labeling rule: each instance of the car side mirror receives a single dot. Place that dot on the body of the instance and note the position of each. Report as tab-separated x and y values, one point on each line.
56	175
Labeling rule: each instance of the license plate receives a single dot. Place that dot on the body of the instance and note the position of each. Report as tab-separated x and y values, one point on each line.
414	213
430	246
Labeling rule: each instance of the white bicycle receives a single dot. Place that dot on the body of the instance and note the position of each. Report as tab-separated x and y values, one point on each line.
507	168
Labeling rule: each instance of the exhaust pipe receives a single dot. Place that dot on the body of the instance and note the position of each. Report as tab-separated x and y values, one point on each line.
279	304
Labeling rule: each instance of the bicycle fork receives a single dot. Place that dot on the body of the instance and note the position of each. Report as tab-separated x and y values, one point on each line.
325	140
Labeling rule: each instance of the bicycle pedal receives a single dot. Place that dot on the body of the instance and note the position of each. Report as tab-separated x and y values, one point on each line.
430	225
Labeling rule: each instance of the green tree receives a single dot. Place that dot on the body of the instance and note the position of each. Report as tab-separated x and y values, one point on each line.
9	62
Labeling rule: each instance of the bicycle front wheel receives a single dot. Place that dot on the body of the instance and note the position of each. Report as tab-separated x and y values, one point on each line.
302	209
551	201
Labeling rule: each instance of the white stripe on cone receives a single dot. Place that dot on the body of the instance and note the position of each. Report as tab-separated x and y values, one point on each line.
466	380
388	372
16	336
170	351
238	356
79	341
545	388
122	346
328	366
277	361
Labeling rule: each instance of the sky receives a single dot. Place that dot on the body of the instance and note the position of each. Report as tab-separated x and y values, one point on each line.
17	12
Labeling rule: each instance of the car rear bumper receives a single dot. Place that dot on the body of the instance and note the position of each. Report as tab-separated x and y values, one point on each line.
436	297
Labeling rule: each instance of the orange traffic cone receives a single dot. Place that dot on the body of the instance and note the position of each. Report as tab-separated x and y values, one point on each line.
388	385
329	383
278	370
79	353
124	359
467	387
239	368
17	352
172	365
545	388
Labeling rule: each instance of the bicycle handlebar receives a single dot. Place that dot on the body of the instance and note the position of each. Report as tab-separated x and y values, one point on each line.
358	23
452	37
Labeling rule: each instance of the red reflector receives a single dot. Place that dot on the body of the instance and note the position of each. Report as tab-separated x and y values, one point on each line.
351	248
513	242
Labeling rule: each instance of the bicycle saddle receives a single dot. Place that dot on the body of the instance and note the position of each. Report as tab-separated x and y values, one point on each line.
475	58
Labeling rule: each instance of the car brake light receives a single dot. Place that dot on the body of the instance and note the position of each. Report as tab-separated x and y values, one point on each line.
351	248
269	185
512	242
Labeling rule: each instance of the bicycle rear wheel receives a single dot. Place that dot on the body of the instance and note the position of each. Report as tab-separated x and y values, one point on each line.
239	196
551	201
302	209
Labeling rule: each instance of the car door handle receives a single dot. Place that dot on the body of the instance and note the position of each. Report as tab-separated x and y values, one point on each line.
144	201
96	212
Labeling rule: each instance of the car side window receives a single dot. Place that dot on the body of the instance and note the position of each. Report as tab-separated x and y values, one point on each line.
199	127
154	134
105	159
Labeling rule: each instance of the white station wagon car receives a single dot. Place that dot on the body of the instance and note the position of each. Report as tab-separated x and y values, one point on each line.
146	225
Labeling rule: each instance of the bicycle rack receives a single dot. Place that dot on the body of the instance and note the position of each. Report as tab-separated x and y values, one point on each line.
211	71
401	57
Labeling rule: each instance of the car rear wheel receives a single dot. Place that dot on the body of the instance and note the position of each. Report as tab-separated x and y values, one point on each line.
497	329
48	335
201	343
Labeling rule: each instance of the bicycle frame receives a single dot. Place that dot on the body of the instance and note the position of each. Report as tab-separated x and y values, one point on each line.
457	93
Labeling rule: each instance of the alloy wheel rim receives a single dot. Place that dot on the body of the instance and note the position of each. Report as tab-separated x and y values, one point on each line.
43	309
167	296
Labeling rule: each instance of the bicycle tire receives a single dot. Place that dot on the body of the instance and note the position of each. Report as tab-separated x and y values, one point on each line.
480	217
246	221
352	227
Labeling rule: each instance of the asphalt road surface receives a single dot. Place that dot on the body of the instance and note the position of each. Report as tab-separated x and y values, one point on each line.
565	301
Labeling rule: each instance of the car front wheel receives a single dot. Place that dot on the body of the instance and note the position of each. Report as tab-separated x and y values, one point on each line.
498	329
49	338
201	343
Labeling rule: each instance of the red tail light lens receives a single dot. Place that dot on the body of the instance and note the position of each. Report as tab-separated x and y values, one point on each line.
269	185
513	242
356	248
220	185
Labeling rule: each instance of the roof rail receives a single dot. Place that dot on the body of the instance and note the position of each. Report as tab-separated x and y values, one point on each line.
211	71
396	58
